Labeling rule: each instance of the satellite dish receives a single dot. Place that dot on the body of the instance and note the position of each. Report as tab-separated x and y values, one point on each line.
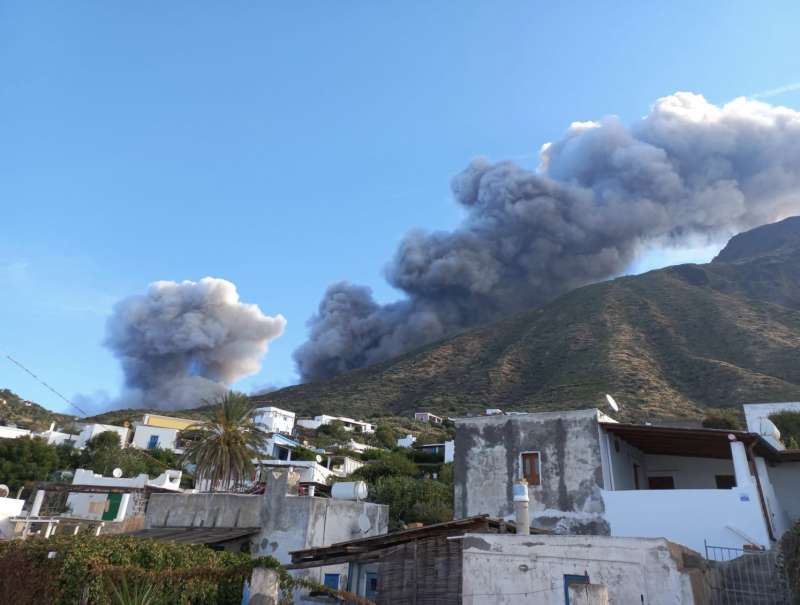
614	405
4	491
117	472
319	458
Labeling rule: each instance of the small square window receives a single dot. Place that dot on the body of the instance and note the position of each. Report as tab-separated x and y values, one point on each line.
331	581
531	467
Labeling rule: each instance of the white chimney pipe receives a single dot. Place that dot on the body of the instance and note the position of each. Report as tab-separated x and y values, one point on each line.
521	499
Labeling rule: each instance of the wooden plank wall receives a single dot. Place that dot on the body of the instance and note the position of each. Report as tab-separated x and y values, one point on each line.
423	572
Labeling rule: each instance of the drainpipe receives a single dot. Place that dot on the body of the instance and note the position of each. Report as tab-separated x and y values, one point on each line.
522	515
764	509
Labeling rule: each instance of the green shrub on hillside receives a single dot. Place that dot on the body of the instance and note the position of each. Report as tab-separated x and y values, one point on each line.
722	419
409	499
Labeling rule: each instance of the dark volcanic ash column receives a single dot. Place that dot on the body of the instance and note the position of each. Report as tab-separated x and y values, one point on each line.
602	192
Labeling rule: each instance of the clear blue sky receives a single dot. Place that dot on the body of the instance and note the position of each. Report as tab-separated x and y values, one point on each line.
284	146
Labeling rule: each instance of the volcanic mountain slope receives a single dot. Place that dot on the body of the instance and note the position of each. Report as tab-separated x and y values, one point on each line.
666	343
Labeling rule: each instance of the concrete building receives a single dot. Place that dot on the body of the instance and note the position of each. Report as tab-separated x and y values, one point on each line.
428	417
274	420
12	432
9	507
114	505
88	431
349	424
446	449
156	431
481	560
55	437
275	523
406	441
588	474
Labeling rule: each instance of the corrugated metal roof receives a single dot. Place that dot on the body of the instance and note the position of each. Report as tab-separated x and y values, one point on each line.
196	535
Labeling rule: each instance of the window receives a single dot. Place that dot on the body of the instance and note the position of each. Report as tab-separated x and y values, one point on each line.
531	467
152	442
725	481
635	476
331	581
665	482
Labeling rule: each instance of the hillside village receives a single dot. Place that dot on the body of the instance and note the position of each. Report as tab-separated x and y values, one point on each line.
627	504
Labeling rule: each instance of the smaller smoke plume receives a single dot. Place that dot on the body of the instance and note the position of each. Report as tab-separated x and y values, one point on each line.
181	344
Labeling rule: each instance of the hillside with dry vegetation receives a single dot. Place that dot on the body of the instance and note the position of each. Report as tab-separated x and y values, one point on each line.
667	343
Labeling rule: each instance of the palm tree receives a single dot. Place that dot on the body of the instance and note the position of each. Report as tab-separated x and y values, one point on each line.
223	446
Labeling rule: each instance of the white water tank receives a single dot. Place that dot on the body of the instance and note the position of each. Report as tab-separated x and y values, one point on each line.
349	490
767	428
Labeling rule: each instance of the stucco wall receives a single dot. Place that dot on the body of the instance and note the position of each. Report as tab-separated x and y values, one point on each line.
508	569
203	510
166	437
487	462
785	478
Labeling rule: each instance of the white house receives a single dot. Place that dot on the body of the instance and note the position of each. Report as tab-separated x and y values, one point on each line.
274	420
88	431
156	431
588	474
428	417
55	437
12	432
114	506
406	441
9	507
349	424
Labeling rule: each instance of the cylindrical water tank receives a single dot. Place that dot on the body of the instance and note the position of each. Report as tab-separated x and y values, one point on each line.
349	490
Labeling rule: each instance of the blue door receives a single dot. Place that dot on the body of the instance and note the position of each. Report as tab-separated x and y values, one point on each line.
569	580
153	442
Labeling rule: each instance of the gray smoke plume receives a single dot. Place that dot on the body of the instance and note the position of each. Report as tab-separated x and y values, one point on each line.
601	195
182	343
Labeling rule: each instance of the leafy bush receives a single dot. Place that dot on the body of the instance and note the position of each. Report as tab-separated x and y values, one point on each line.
32	459
125	570
92	567
387	464
790	546
722	419
788	424
410	500
385	436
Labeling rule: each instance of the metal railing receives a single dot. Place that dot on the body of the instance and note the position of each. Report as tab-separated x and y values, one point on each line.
744	576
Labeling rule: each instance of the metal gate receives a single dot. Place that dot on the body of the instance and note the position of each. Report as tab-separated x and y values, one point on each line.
747	577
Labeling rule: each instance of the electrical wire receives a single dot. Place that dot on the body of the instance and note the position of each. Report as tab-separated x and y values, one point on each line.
43	383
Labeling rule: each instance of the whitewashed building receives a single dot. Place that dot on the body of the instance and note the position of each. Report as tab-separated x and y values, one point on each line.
114	506
88	431
274	420
12	432
156	431
349	424
588	474
428	417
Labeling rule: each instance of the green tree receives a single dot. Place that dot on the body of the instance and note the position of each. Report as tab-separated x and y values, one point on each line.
409	500
335	430
388	464
103	453
385	436
223	446
31	459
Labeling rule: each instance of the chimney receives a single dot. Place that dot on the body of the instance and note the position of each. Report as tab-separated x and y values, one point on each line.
522	517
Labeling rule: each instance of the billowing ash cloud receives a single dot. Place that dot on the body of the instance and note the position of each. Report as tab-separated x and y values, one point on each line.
183	343
601	194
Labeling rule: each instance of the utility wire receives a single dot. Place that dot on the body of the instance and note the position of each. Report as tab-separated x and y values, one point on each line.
43	383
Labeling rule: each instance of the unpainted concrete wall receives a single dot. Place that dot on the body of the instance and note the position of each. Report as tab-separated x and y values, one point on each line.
509	569
203	510
487	462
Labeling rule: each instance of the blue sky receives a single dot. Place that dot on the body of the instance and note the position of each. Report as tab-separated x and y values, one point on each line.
284	147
